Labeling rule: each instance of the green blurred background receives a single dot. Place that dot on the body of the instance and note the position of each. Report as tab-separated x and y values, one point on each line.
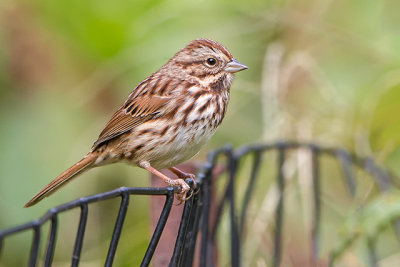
326	71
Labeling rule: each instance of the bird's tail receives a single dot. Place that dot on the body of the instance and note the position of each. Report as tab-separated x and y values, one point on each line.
63	178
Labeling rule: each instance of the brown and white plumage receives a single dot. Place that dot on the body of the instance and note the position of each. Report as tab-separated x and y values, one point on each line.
167	118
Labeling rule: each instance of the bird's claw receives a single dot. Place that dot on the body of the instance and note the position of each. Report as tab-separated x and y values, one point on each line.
185	175
184	189
193	178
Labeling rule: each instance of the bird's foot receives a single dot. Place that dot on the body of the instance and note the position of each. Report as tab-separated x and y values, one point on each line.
184	188
183	175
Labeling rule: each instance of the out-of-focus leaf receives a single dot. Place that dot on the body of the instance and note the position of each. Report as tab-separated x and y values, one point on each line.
368	222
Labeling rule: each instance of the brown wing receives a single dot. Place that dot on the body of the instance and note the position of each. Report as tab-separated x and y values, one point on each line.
134	112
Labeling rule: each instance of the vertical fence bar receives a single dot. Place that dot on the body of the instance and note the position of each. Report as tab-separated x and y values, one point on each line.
347	170
182	232
204	251
317	205
250	189
80	234
159	229
218	212
118	227
384	182
189	251
35	245
381	178
1	245
279	210
235	240
52	240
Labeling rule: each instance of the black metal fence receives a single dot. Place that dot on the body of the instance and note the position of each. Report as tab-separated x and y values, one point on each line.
195	222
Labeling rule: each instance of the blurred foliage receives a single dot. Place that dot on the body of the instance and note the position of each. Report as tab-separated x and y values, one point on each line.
360	225
326	71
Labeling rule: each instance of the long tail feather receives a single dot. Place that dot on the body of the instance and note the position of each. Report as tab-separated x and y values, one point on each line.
63	179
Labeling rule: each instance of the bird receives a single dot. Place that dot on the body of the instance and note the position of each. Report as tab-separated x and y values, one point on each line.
166	119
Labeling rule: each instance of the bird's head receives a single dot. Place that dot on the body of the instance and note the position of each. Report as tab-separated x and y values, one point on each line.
205	58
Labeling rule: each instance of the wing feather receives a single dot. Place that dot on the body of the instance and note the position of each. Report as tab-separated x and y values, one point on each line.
135	111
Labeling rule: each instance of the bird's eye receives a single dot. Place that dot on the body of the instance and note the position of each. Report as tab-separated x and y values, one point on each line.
211	61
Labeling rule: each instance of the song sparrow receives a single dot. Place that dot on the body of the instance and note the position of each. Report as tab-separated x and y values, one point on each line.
166	119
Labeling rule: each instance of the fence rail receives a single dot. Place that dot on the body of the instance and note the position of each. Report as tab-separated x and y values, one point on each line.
195	221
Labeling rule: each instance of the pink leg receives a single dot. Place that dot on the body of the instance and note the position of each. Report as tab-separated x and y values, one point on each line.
184	187
183	175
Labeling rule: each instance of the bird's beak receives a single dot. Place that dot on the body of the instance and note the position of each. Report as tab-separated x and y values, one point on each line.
235	66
